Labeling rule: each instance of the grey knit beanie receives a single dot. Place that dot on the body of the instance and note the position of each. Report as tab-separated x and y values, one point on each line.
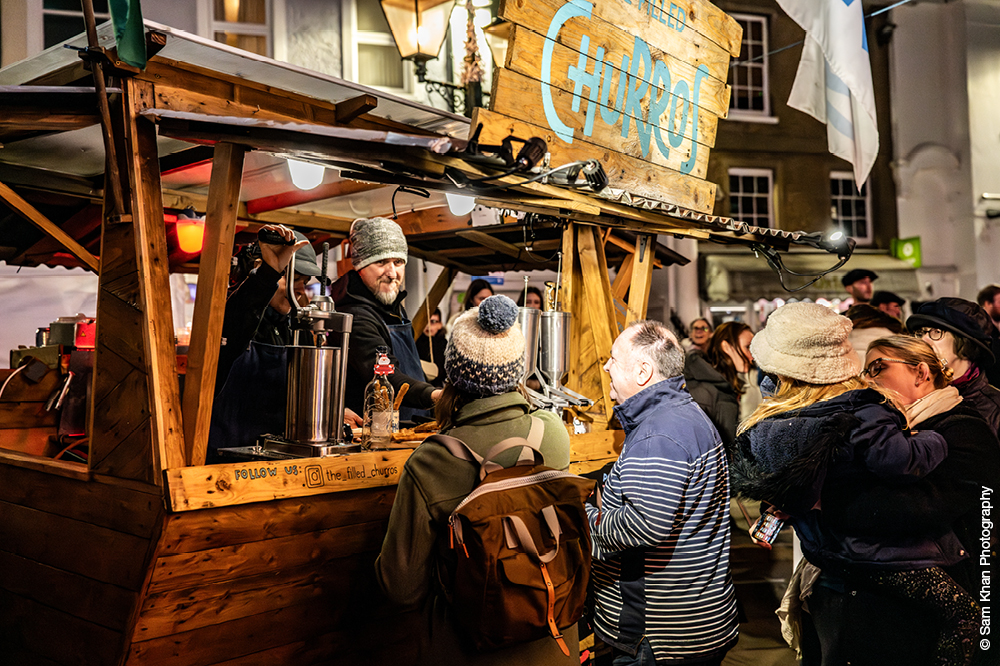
808	342
485	355
374	239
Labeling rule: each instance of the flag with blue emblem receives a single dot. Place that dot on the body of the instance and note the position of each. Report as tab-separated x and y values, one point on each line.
834	81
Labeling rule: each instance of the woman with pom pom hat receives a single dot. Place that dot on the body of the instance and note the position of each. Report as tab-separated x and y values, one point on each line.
481	405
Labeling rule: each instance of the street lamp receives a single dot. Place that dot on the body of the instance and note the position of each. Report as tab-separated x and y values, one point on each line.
419	28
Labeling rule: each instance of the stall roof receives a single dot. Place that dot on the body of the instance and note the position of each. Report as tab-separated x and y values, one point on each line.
58	164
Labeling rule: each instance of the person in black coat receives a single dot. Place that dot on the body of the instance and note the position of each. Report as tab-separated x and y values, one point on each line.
962	335
717	378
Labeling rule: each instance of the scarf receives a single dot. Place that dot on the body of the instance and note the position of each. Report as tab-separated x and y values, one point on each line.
936	402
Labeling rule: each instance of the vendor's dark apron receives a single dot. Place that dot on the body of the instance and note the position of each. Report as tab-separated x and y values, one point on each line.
252	401
404	348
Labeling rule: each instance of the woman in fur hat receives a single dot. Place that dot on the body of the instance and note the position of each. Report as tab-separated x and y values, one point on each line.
823	428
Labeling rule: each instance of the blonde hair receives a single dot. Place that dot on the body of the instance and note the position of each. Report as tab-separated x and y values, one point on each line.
916	351
794	394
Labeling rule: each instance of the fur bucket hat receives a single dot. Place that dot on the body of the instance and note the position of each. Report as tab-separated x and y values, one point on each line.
485	354
808	342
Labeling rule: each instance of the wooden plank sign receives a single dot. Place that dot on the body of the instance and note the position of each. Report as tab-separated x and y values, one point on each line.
643	78
238	483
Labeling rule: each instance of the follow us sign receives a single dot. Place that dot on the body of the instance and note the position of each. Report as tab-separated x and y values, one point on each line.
626	79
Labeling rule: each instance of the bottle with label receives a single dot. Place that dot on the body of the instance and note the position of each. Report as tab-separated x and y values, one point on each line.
376	433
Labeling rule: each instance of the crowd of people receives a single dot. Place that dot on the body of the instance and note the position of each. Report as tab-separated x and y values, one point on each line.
873	437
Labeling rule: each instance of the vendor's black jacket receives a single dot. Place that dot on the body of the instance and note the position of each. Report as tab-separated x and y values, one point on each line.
713	394
248	317
978	393
369	331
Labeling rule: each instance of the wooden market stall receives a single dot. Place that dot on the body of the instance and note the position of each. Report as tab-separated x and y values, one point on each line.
144	555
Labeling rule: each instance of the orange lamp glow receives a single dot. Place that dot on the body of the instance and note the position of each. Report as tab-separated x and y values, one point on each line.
190	235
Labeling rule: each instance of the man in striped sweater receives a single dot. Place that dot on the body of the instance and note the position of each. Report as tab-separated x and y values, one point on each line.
661	538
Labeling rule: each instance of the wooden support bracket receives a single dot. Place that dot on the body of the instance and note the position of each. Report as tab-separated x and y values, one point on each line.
597	287
31	214
350	109
434	297
486	240
642	278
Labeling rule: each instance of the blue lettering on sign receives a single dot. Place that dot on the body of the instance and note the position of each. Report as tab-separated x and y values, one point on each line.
631	89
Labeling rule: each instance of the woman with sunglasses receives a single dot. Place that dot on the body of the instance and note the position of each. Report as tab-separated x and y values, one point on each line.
700	336
962	335
825	428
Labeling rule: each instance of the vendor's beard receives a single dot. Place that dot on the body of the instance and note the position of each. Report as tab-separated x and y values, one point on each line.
387	297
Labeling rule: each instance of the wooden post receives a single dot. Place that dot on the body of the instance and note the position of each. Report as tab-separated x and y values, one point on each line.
135	411
642	278
434	296
597	286
210	306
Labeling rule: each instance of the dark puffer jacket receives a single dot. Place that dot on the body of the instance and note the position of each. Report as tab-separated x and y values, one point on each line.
713	394
798	460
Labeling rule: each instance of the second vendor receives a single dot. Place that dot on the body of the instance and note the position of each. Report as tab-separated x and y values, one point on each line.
373	293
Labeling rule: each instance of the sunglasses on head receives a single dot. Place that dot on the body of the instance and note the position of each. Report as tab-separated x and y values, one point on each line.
878	365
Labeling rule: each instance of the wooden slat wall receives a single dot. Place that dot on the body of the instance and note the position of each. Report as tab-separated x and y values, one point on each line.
288	581
73	558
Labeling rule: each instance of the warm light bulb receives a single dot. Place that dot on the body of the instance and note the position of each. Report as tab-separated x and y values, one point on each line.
459	204
305	175
190	236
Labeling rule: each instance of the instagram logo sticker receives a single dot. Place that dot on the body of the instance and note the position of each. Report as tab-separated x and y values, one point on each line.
314	476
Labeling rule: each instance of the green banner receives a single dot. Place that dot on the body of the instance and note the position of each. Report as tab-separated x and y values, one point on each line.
130	36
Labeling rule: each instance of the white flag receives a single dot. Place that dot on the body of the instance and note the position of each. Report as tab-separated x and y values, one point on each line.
834	81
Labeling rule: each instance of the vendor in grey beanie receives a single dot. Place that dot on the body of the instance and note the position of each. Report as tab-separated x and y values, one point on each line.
374	239
373	293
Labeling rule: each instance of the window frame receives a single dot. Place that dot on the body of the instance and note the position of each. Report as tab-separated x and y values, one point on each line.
39	7
351	37
753	172
749	115
273	29
848	176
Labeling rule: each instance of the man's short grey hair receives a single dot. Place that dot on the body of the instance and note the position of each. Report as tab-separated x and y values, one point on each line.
659	345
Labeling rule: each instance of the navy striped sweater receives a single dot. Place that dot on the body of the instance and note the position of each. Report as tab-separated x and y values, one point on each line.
661	538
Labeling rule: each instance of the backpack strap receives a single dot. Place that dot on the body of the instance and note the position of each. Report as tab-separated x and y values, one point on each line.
524	536
457	448
530	449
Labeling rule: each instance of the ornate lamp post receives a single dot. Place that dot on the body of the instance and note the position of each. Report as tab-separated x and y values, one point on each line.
419	28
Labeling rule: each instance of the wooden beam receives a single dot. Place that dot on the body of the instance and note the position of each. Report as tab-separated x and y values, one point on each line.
430	303
628	247
154	280
486	240
350	109
623	278
289	217
210	306
597	287
570	266
642	278
31	214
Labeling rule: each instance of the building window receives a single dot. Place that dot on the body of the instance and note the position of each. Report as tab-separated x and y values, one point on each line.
62	20
243	24
374	60
751	196
850	209
750	98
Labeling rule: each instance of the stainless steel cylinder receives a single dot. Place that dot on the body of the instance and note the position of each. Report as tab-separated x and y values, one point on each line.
528	319
311	390
553	347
